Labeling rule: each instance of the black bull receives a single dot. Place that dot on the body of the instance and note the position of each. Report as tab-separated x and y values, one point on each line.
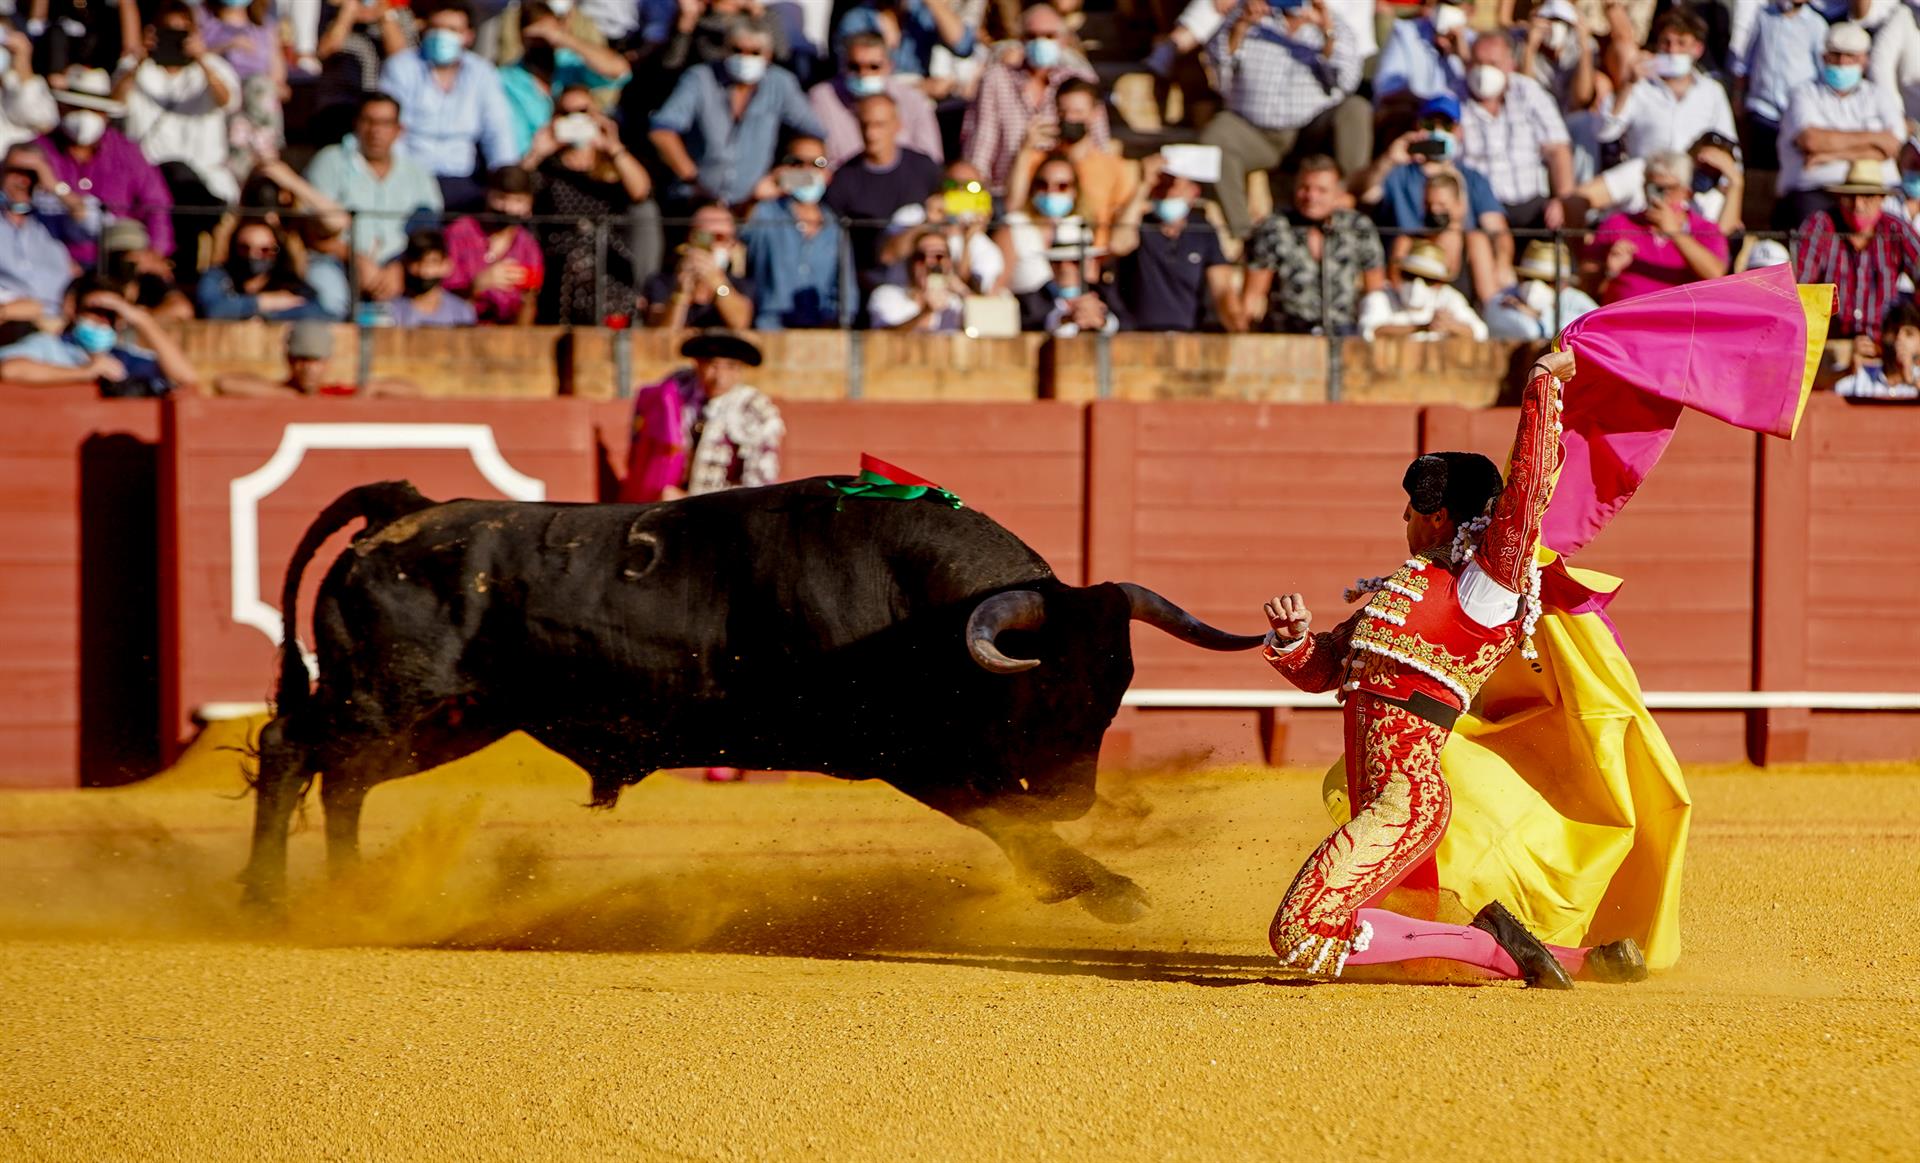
785	628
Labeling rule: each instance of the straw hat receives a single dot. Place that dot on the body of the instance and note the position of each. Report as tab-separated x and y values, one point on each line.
1864	176
1544	260
90	89
1425	261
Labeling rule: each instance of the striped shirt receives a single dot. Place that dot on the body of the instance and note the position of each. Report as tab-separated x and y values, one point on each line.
1871	383
1282	80
996	123
1865	281
1783	55
1506	144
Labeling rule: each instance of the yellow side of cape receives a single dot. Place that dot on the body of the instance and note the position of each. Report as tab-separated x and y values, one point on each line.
1568	805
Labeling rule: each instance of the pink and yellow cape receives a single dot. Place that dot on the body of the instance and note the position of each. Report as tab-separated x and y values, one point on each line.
1568	805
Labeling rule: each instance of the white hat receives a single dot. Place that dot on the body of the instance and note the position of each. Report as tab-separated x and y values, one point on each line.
1849	37
1198	163
1073	240
1425	261
1768	252
912	216
90	89
1561	10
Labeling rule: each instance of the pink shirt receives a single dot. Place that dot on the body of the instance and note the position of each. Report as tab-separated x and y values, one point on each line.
467	251
1657	261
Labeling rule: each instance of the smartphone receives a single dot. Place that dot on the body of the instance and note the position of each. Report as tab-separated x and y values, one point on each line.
170	46
700	239
968	200
1428	150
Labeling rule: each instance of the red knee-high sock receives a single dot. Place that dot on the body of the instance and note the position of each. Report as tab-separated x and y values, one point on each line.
1398	938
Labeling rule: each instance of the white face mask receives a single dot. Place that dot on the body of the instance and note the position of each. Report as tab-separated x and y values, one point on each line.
1486	81
1449	18
1559	36
84	126
1673	65
560	8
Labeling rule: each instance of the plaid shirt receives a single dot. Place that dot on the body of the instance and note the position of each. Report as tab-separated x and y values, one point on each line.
1281	80
997	120
1865	281
1506	145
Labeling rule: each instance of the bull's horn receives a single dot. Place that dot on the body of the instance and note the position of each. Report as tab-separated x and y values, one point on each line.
1013	610
1146	606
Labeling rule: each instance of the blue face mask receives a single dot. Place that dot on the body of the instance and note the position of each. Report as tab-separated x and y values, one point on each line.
1053	205
866	84
1043	52
93	336
1448	143
1840	77
1911	184
441	46
1060	292
235	3
1171	210
20	207
810	193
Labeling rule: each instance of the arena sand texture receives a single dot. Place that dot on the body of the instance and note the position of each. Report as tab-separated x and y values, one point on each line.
813	970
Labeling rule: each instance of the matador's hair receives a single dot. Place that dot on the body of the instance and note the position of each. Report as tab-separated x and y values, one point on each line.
1460	482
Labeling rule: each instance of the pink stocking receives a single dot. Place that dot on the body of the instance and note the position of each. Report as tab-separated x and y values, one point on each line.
1398	938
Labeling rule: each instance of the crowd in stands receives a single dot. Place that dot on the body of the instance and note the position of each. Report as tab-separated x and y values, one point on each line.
1483	168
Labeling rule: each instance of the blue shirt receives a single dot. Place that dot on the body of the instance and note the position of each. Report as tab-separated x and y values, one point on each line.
1410	62
919	35
381	206
144	377
218	298
800	281
1783	55
1506	321
533	106
733	155
1405	193
443	128
33	263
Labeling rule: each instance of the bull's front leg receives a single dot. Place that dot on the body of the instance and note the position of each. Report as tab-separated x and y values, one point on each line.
1057	871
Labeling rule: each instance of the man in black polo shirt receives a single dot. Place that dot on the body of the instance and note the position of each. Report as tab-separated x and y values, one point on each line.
886	176
1176	278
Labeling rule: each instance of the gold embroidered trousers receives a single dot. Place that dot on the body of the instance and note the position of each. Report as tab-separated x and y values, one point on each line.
1400	809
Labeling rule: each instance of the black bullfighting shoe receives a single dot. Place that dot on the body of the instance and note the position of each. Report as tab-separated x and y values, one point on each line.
1538	966
1617	962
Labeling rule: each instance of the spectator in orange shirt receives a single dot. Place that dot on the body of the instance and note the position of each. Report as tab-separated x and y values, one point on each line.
1106	182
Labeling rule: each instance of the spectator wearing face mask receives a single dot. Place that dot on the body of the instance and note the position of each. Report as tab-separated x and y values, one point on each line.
497	262
556	54
1423	57
1103	178
1559	54
1027	232
1833	124
1420	304
796	254
1014	91
451	103
1307	268
868	72
261	279
1668	244
1863	251
1781	56
915	28
1171	273
1397	181
34	266
1510	130
424	299
1543	301
1674	107
100	166
177	100
963	213
930	299
94	348
27	109
1718	189
886	176
702	290
718	131
592	194
1896	377
1077	304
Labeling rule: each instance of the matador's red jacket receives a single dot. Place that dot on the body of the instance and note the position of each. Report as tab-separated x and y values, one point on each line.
1413	636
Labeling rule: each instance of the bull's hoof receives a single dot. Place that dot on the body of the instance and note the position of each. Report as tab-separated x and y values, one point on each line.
1117	902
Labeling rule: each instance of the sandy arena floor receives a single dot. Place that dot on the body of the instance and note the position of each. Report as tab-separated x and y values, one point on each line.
814	970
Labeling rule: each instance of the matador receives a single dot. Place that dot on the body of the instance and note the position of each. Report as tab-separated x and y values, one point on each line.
1407	664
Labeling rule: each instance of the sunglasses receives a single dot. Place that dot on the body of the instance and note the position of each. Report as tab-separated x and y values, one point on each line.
1054	187
866	68
819	163
932	255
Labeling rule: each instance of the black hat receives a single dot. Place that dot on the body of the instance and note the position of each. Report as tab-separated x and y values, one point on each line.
1460	482
721	345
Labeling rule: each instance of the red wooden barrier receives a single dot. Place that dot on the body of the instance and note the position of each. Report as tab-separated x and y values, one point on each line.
244	479
78	646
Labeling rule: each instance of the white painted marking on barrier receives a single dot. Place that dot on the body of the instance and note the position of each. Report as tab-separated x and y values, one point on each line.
245	493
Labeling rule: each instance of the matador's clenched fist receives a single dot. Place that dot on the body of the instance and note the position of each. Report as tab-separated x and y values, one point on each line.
1289	617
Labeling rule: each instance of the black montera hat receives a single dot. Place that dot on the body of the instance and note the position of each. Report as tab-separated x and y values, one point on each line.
1460	482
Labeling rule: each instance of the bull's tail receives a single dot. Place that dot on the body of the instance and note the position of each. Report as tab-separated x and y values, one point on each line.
378	505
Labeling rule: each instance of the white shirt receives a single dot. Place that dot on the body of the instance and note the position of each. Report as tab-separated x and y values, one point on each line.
1655	119
1866	106
1870	383
891	305
1417	303
173	117
1481	598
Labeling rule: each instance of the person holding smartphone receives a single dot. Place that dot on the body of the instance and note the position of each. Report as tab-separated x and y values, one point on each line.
1397	180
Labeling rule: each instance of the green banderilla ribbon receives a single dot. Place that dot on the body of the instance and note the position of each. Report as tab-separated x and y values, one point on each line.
872	484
